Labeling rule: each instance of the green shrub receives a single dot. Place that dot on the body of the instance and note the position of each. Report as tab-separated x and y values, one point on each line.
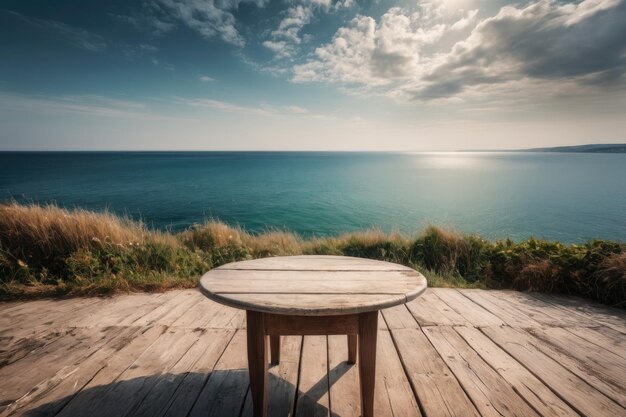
50	251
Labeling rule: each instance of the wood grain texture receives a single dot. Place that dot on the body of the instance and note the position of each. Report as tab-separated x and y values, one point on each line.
279	324
183	355
581	396
352	348
368	333
275	349
492	394
257	362
312	285
313	399
539	396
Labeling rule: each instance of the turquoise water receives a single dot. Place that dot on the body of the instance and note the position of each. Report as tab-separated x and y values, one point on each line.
567	197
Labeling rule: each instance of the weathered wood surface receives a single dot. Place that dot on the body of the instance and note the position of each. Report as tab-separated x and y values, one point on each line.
448	353
312	285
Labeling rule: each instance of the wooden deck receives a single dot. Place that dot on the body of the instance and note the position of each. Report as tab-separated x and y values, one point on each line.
448	353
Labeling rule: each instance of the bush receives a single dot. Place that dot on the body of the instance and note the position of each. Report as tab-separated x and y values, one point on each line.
46	250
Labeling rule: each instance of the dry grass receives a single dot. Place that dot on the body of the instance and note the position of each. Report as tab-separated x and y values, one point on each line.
47	250
610	279
274	243
49	229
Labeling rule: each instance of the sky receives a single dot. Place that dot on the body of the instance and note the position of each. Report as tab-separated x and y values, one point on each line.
348	75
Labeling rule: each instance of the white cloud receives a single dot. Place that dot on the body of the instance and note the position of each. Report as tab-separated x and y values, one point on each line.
285	39
206	79
467	20
404	54
370	53
297	17
209	18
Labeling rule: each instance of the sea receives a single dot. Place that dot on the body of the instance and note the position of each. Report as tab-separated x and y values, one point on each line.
570	197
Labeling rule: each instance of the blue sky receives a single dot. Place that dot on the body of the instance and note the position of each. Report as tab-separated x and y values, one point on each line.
311	74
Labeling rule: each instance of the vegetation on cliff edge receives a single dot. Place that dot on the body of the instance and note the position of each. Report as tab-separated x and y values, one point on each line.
47	250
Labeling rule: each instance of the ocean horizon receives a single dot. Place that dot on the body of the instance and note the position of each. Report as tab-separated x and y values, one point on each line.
570	197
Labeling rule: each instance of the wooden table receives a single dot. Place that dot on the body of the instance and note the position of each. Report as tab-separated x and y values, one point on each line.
312	295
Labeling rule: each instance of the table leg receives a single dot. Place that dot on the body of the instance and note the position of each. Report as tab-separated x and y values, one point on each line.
368	331
257	362
352	343
275	349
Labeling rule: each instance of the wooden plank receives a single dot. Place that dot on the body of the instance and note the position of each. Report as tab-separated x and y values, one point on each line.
13	309
475	314
399	317
438	391
160	397
222	319
277	324
51	395
98	386
226	388
614	318
46	361
315	262
430	310
238	321
307	277
308	282
543	312
12	351
502	309
283	381
194	381
199	313
65	316
490	393
168	312
343	379
133	384
113	311
540	397
604	337
34	314
313	399
598	367
581	396
326	304
393	396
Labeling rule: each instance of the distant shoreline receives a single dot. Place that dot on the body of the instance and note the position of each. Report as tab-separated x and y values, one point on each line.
597	148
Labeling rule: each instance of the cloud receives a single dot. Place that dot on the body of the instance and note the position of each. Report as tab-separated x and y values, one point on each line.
370	53
206	79
92	105
285	39
261	110
76	36
209	18
403	55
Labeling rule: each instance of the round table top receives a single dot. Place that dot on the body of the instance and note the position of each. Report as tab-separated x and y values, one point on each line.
312	285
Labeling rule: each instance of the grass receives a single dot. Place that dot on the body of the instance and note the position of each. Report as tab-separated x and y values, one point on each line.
47	250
